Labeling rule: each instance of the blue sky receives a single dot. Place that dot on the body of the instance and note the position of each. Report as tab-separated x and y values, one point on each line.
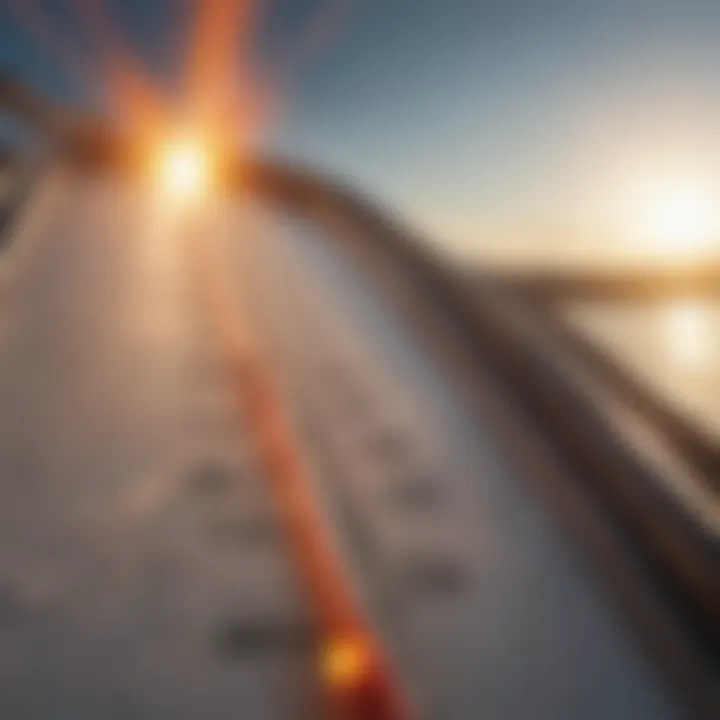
475	118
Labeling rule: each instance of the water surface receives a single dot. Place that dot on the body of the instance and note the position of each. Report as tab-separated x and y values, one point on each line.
673	345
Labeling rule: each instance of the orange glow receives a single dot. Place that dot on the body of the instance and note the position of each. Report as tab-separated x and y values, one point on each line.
344	662
184	169
223	93
217	58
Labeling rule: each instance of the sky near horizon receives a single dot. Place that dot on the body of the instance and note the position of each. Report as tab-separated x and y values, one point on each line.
505	127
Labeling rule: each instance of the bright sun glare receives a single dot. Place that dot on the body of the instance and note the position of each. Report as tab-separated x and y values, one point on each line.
183	169
677	219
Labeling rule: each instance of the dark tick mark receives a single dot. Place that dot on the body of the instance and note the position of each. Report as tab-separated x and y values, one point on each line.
248	637
415	492
435	574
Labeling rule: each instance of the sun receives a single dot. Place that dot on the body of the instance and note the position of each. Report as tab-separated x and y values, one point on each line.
183	169
677	218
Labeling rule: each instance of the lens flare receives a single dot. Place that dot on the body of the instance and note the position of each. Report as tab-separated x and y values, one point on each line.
184	169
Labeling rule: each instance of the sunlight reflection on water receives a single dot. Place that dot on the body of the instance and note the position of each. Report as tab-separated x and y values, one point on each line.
674	345
689	331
